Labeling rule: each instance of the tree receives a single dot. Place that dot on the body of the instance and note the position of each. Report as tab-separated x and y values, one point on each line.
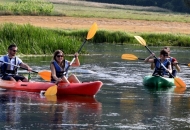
187	3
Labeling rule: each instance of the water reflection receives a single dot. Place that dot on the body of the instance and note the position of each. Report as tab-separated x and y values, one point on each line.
31	110
122	103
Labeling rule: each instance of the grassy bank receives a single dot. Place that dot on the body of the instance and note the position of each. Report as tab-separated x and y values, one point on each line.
26	7
152	39
35	40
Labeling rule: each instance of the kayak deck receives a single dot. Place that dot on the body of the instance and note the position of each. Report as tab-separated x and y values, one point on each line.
158	82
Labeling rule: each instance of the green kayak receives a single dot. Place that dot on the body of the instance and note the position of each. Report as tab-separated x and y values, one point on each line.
158	82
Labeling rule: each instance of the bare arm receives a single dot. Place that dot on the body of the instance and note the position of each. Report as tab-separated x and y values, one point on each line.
76	62
149	59
152	66
23	65
177	66
169	69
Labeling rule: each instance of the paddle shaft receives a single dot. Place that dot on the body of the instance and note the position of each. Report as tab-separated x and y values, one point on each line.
18	66
176	63
159	61
75	56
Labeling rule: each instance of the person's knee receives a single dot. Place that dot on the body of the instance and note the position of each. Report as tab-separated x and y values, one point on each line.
24	80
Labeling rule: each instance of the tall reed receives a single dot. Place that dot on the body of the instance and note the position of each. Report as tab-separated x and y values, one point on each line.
27	7
36	40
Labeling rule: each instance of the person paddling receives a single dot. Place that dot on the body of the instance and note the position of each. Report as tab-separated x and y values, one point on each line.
8	65
58	67
173	61
159	69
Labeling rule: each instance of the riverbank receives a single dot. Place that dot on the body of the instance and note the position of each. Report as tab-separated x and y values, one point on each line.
76	23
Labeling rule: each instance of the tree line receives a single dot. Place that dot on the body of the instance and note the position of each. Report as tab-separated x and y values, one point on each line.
182	6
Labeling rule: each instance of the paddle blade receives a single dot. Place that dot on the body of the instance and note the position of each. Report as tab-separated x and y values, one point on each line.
51	98
92	31
179	83
129	57
189	64
46	75
140	40
51	90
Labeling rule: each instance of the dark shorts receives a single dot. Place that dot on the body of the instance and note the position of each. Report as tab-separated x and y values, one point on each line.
16	77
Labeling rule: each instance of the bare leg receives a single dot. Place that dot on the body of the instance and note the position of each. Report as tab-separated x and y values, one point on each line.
12	79
73	79
64	79
25	80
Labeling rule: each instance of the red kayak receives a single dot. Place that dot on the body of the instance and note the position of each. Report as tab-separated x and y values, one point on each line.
86	88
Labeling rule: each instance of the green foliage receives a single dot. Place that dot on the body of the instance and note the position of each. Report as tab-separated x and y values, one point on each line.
112	37
27	7
167	39
152	39
35	40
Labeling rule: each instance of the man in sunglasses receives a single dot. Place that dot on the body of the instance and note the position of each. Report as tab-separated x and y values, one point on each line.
10	63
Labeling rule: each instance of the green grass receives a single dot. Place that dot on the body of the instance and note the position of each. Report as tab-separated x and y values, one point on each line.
100	10
36	40
77	8
26	7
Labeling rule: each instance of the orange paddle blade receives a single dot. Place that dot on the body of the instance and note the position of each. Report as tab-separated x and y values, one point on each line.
140	40
51	98
51	90
46	75
189	64
179	83
129	57
179	90
92	31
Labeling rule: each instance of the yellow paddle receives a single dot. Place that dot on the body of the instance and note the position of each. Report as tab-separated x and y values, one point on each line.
177	81
133	57
130	57
53	90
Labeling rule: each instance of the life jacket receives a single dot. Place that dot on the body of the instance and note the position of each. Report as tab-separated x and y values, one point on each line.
159	69
174	72
6	68
60	71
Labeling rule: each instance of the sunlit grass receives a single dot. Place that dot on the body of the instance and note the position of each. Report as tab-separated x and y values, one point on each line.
113	11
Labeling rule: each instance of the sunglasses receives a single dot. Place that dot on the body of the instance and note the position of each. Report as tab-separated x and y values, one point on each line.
59	56
14	50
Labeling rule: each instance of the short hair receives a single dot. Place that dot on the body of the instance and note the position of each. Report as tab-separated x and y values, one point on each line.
164	52
167	48
11	46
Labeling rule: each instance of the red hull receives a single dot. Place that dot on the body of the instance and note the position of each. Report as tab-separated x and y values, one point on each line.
87	88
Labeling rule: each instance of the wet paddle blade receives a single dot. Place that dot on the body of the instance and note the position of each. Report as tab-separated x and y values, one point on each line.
129	57
51	90
140	40
92	31
52	98
179	90
189	64
179	83
46	75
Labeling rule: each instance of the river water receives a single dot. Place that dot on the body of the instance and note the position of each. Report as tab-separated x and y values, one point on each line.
122	103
